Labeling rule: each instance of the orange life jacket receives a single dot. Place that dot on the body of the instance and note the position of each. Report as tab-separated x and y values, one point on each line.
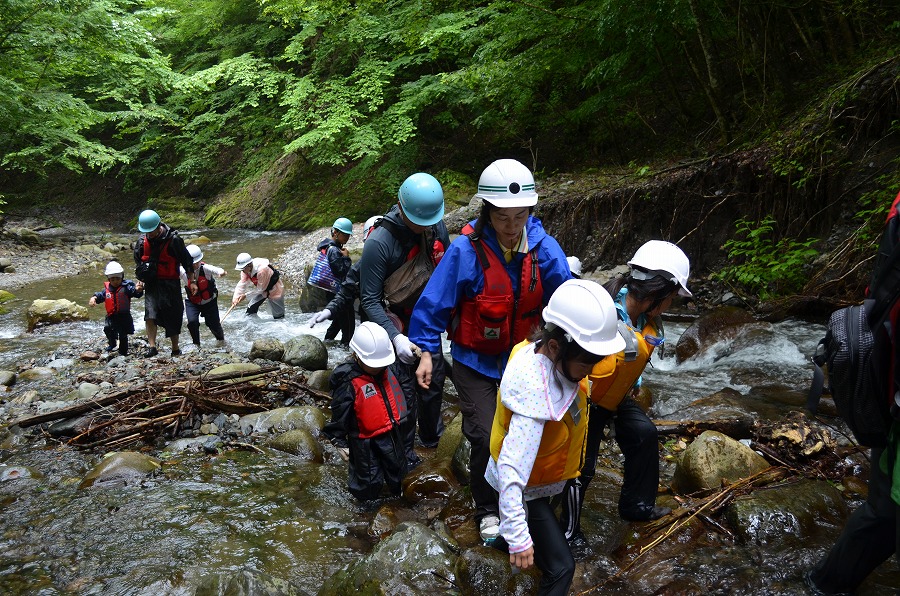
495	320
166	264
117	299
379	407
206	287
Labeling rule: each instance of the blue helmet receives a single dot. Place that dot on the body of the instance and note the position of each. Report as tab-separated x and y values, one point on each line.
342	224
422	199
148	220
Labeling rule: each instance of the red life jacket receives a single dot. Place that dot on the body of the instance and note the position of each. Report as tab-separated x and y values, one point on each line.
495	320
166	264
206	287
378	407
117	299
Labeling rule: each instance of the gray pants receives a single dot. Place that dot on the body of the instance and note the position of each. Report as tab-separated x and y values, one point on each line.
276	305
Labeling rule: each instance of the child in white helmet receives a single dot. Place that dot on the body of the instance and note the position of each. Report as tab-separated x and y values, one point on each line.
204	302
116	295
367	408
259	282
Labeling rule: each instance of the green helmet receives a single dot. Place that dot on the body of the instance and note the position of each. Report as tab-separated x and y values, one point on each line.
148	220
342	224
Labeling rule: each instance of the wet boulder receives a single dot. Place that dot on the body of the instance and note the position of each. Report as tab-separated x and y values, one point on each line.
4	295
319	380
714	326
51	312
267	349
306	351
308	418
235	367
486	570
434	481
121	466
299	442
37	372
450	439
7	378
711	458
413	560
785	517
245	583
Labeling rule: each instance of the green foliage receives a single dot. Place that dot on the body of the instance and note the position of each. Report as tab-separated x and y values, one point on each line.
763	265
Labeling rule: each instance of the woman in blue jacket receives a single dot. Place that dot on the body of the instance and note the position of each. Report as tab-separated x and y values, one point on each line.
487	293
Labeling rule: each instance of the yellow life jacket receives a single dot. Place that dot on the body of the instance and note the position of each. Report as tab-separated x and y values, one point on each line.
561	452
613	377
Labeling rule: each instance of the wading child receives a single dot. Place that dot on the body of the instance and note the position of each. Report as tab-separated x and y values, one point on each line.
367	407
116	295
205	301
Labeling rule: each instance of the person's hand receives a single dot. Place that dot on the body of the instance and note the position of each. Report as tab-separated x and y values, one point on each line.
193	288
345	252
406	350
320	316
139	285
522	560
223	274
92	301
423	373
236	301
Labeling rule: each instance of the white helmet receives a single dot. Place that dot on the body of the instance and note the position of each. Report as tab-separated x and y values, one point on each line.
114	268
370	225
370	342
660	258
586	312
574	265
507	183
243	260
196	253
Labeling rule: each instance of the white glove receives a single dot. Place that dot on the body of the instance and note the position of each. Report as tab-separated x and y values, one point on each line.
405	349
320	316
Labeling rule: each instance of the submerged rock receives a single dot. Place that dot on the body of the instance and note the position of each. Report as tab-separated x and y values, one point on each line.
299	442
121	466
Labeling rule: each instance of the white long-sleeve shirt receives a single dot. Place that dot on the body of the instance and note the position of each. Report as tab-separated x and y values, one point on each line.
246	287
534	392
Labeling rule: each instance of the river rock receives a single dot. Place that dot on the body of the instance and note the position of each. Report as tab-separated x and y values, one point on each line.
235	367
17	472
413	560
485	570
320	380
450	439
38	372
711	458
433	481
299	442
309	418
384	522
786	516
7	378
306	351
245	583
49	312
716	325
71	427
4	263
121	466
267	349
203	443
26	235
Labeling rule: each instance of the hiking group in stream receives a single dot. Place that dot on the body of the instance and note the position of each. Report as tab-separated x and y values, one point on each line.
542	360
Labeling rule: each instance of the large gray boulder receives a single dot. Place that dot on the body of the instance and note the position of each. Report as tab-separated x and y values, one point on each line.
306	351
267	349
711	458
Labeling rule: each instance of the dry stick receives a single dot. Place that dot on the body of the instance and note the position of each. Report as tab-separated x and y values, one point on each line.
228	313
143	425
712	503
121	418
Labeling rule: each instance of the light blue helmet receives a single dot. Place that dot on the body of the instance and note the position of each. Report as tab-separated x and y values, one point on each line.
422	199
148	220
342	224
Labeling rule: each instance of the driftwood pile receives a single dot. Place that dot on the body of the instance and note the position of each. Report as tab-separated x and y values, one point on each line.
162	406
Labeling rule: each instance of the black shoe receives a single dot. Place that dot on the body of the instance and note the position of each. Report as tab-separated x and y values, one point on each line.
176	352
123	352
110	347
651	514
412	461
151	352
579	546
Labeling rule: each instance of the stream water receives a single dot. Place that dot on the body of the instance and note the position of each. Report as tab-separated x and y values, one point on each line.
208	515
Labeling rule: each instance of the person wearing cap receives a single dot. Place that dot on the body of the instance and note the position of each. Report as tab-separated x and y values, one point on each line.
540	422
349	290
487	293
116	296
158	253
205	301
367	409
659	272
338	256
259	282
416	221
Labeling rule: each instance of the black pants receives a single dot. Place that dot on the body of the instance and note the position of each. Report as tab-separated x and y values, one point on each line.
374	462
477	402
422	405
551	552
117	328
342	322
210	314
868	539
637	438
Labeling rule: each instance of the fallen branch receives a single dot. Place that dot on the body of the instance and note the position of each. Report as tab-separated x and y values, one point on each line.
736	428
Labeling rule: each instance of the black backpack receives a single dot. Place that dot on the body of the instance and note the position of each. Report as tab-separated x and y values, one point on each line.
858	349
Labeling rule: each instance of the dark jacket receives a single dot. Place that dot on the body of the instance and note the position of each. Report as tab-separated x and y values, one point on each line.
348	292
176	247
382	255
340	265
343	424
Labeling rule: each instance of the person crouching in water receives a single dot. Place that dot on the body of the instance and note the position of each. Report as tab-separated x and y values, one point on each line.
204	303
540	426
116	295
259	281
367	408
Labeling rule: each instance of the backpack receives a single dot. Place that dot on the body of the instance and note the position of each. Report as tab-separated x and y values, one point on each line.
321	275
858	349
